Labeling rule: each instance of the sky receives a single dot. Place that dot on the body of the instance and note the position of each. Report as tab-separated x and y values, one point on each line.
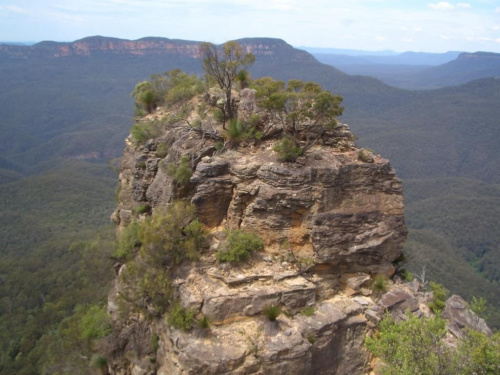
373	25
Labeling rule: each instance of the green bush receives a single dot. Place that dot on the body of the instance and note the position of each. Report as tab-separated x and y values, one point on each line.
98	361
478	305
141	132
379	283
182	172
180	317
95	323
308	311
287	149
438	302
416	346
218	115
238	246
127	242
142	209
479	354
235	130
311	338
167	238
272	312
204	322
413	346
183	87
155	343
161	149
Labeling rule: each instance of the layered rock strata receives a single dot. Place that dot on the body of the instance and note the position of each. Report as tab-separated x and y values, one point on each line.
329	223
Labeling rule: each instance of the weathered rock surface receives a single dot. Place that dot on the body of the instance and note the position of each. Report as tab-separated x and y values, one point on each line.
460	317
329	223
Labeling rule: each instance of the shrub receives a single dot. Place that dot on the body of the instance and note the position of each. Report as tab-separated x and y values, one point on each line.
171	236
180	317
182	172
238	246
379	283
272	312
219	145
98	361
480	354
95	323
204	322
141	132
287	149
218	115
127	241
478	305
182	87
308	311
235	130
439	297
142	209
155	343
413	346
311	338
161	149
167	238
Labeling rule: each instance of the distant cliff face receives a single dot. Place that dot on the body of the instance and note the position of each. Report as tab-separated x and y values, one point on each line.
146	46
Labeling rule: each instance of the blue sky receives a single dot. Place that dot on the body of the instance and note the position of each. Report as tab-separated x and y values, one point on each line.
400	25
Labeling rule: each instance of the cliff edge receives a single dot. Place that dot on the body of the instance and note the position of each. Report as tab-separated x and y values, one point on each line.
329	223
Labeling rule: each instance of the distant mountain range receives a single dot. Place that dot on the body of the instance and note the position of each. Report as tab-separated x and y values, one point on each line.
418	71
381	58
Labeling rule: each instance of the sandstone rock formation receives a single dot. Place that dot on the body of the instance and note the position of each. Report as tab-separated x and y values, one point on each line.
329	223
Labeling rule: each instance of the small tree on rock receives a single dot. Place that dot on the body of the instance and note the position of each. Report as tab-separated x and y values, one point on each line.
224	66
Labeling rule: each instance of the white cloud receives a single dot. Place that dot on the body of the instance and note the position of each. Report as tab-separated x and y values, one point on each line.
497	10
445	37
14	9
442	5
464	5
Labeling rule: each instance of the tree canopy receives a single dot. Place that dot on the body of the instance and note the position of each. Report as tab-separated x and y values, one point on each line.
302	110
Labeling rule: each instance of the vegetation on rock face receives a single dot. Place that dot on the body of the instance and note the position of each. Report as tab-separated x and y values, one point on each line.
166	239
168	88
141	132
238	247
272	312
180	317
439	297
287	149
182	172
416	346
303	112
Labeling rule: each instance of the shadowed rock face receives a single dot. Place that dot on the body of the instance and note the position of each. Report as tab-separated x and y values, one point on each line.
329	222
